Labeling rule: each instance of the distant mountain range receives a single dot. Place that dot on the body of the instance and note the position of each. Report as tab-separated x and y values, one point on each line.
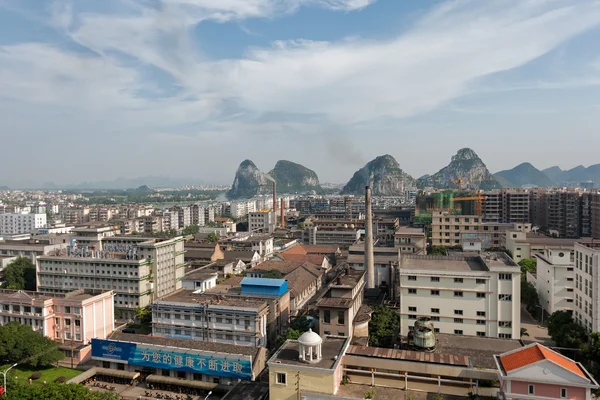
575	175
384	175
523	174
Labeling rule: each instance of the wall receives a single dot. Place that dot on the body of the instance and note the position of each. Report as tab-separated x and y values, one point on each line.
316	380
547	390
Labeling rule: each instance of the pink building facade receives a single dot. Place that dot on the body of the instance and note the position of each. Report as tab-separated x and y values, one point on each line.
71	319
537	372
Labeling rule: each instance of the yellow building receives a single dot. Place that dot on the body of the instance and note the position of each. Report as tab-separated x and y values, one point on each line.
309	364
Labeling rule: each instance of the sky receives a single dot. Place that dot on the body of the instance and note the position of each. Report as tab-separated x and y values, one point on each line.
95	90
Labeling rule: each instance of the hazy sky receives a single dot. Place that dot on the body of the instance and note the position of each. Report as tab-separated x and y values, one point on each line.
94	90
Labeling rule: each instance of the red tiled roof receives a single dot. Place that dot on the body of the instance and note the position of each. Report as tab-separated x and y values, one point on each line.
315	249
311	258
535	353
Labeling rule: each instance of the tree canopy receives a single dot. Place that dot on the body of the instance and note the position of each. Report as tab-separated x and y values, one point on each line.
382	328
528	265
20	274
529	297
53	391
212	238
564	331
190	230
20	344
144	314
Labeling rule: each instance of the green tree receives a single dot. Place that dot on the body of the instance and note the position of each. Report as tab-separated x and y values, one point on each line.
273	274
528	265
300	323
529	297
18	343
51	391
144	314
591	350
211	238
20	274
438	251
564	331
382	328
190	230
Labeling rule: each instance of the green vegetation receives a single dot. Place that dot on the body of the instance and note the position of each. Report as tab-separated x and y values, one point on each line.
20	344
146	195
48	374
370	394
437	251
19	390
273	274
20	274
212	238
190	230
383	326
528	265
565	332
529	297
292	177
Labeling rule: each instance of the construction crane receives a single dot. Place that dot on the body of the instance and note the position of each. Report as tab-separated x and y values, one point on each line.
477	199
458	182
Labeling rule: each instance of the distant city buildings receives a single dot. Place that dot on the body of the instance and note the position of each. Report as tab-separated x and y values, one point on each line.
18	223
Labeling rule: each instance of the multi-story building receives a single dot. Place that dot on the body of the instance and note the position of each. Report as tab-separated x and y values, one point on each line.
341	304
586	215
555	280
72	318
155	224
184	216
262	221
564	213
450	230
137	269
587	286
410	240
237	320
463	295
515	206
32	248
522	245
76	216
17	223
262	244
198	217
595	215
341	236
384	260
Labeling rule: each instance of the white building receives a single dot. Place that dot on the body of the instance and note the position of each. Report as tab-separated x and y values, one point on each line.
137	269
263	221
15	223
463	295
555	280
587	285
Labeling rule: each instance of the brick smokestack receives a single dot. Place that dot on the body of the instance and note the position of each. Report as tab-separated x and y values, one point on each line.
369	261
282	211
274	198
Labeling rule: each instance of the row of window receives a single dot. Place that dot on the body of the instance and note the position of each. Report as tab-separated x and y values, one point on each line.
340	317
25	309
479	295
456	280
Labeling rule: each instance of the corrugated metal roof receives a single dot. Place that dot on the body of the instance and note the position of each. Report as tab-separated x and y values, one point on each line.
263	282
408	355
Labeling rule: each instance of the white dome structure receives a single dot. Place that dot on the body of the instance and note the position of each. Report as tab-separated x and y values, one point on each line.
310	347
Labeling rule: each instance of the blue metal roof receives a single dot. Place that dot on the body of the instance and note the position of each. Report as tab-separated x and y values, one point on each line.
263	282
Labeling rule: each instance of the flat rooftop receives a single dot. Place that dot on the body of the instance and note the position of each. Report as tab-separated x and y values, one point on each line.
190	297
469	262
332	346
350	278
541	239
185	344
248	391
200	275
405	230
480	350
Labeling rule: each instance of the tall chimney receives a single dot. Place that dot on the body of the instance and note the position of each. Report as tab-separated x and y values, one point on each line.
282	210
274	198
369	263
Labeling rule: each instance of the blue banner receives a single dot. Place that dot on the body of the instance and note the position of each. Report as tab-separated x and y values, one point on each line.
136	354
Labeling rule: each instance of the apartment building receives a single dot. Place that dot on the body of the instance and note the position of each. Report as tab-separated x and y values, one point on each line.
587	286
595	215
450	230
564	213
75	216
137	269
18	223
72	318
340	236
262	244
262	221
198	215
515	206
341	304
555	280
522	245
586	215
462	294
410	240
32	248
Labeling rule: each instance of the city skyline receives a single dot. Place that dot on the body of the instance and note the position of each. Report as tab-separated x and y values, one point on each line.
190	88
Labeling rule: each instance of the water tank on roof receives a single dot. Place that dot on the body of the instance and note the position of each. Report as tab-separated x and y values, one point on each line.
424	335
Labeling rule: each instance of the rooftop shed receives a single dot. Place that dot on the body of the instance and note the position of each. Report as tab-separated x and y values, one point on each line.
264	286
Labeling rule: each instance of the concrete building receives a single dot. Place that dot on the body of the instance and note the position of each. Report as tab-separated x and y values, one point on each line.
262	244
515	206
595	215
32	248
199	280
537	372
450	230
198	215
522	245
473	295
137	269
262	221
384	260
563	213
75	216
339	308
410	240
587	286
340	236
555	280
72	318
17	223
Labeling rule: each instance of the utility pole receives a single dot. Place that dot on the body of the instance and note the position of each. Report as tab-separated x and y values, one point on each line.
298	397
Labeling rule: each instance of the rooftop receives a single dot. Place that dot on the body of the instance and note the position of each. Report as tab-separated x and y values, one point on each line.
331	348
185	344
541	239
263	281
534	353
199	275
480	350
350	278
189	296
405	230
457	262
24	295
248	391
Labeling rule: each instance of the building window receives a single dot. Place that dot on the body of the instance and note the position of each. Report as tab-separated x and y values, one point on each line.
458	332
435	318
505	277
281	378
480	281
435	292
327	316
505	297
412	278
458	280
413	309
563	393
458	312
434	310
458	294
77	323
412	317
505	324
341	318
67	310
480	295
436	330
412	291
482	334
435	279
458	320
531	389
